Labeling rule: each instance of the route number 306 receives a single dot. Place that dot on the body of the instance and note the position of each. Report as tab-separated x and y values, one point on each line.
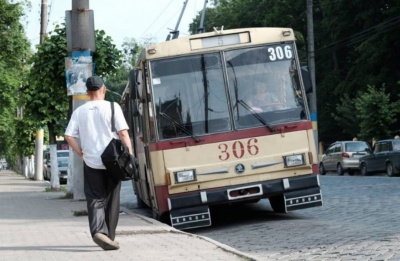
238	149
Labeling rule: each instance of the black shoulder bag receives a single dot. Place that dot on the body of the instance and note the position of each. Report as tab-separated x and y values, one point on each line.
120	164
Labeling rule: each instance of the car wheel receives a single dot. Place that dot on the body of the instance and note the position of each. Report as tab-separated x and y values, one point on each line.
389	169
363	169
321	169
339	169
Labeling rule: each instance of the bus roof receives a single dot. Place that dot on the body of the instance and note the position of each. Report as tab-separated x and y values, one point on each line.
217	40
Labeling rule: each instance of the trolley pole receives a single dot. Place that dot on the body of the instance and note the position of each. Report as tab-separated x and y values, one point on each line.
39	133
80	42
311	64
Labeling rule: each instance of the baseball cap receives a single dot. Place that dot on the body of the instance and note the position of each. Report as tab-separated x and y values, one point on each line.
94	83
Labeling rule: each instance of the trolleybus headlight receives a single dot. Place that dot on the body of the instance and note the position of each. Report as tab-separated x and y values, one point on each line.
294	160
185	176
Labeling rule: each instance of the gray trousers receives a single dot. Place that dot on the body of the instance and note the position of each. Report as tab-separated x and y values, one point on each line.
103	199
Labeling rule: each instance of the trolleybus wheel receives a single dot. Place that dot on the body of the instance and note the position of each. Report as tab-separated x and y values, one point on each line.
278	204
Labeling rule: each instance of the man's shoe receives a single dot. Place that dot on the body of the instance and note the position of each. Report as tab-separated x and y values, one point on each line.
104	242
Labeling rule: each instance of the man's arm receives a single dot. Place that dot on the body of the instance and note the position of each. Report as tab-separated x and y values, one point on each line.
73	143
124	137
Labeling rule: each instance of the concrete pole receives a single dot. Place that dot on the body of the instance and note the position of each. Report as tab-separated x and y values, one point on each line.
76	164
39	155
43	21
311	65
39	133
78	33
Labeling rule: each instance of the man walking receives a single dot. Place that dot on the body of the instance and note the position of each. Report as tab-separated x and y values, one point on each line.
91	124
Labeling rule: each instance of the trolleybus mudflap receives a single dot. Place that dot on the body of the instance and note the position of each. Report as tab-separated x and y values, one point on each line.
187	218
292	193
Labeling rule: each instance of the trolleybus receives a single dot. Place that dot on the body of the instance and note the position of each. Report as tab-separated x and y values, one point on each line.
220	118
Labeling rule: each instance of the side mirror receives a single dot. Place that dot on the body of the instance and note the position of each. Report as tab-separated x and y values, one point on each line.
305	74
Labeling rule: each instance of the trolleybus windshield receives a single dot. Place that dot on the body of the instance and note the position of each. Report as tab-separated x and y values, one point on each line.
222	91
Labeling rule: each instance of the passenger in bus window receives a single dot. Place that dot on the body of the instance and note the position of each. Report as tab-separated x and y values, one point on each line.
262	98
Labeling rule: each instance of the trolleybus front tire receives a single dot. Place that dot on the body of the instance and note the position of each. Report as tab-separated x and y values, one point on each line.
278	204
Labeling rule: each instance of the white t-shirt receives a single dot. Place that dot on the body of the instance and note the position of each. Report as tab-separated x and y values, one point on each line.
91	123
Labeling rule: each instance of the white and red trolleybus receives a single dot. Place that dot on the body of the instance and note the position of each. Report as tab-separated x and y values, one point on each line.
220	118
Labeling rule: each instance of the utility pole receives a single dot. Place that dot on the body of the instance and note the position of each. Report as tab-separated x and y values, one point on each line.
80	42
39	133
311	64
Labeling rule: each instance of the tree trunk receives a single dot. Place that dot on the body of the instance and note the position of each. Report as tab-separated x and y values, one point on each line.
54	179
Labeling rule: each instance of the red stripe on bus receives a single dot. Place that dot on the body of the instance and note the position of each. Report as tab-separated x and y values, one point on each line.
235	135
315	169
161	197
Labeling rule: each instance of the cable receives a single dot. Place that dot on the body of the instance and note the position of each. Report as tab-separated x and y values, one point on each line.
155	19
363	35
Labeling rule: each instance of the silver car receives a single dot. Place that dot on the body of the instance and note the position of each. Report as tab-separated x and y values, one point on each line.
62	170
342	156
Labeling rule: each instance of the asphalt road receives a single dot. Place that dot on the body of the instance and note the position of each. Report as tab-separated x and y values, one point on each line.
360	220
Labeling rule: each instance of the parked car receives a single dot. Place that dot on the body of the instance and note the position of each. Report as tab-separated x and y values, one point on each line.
62	170
384	158
343	156
47	162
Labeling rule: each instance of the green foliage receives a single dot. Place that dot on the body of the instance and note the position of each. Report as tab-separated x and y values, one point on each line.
45	97
107	57
116	82
377	114
346	118
14	48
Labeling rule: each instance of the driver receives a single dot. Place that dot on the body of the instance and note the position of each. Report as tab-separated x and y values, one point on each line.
263	98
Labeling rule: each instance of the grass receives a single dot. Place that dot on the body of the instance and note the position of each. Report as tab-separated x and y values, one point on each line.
79	213
68	195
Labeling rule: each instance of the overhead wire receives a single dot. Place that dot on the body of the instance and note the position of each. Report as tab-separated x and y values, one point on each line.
160	14
363	35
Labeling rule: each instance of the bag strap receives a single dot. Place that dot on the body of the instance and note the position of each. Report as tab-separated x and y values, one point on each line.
112	117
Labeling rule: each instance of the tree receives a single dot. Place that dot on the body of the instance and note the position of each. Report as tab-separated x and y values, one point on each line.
376	113
14	48
45	96
345	117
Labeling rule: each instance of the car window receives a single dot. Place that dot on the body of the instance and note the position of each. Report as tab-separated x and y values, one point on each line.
377	147
62	153
356	146
385	146
396	145
63	162
337	148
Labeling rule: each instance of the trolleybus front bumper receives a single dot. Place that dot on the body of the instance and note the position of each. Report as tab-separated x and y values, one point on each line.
191	210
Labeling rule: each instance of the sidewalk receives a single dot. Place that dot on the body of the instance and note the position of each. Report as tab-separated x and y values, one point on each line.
39	225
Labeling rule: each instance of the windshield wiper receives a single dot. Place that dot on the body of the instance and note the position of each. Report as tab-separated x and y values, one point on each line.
180	126
255	114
